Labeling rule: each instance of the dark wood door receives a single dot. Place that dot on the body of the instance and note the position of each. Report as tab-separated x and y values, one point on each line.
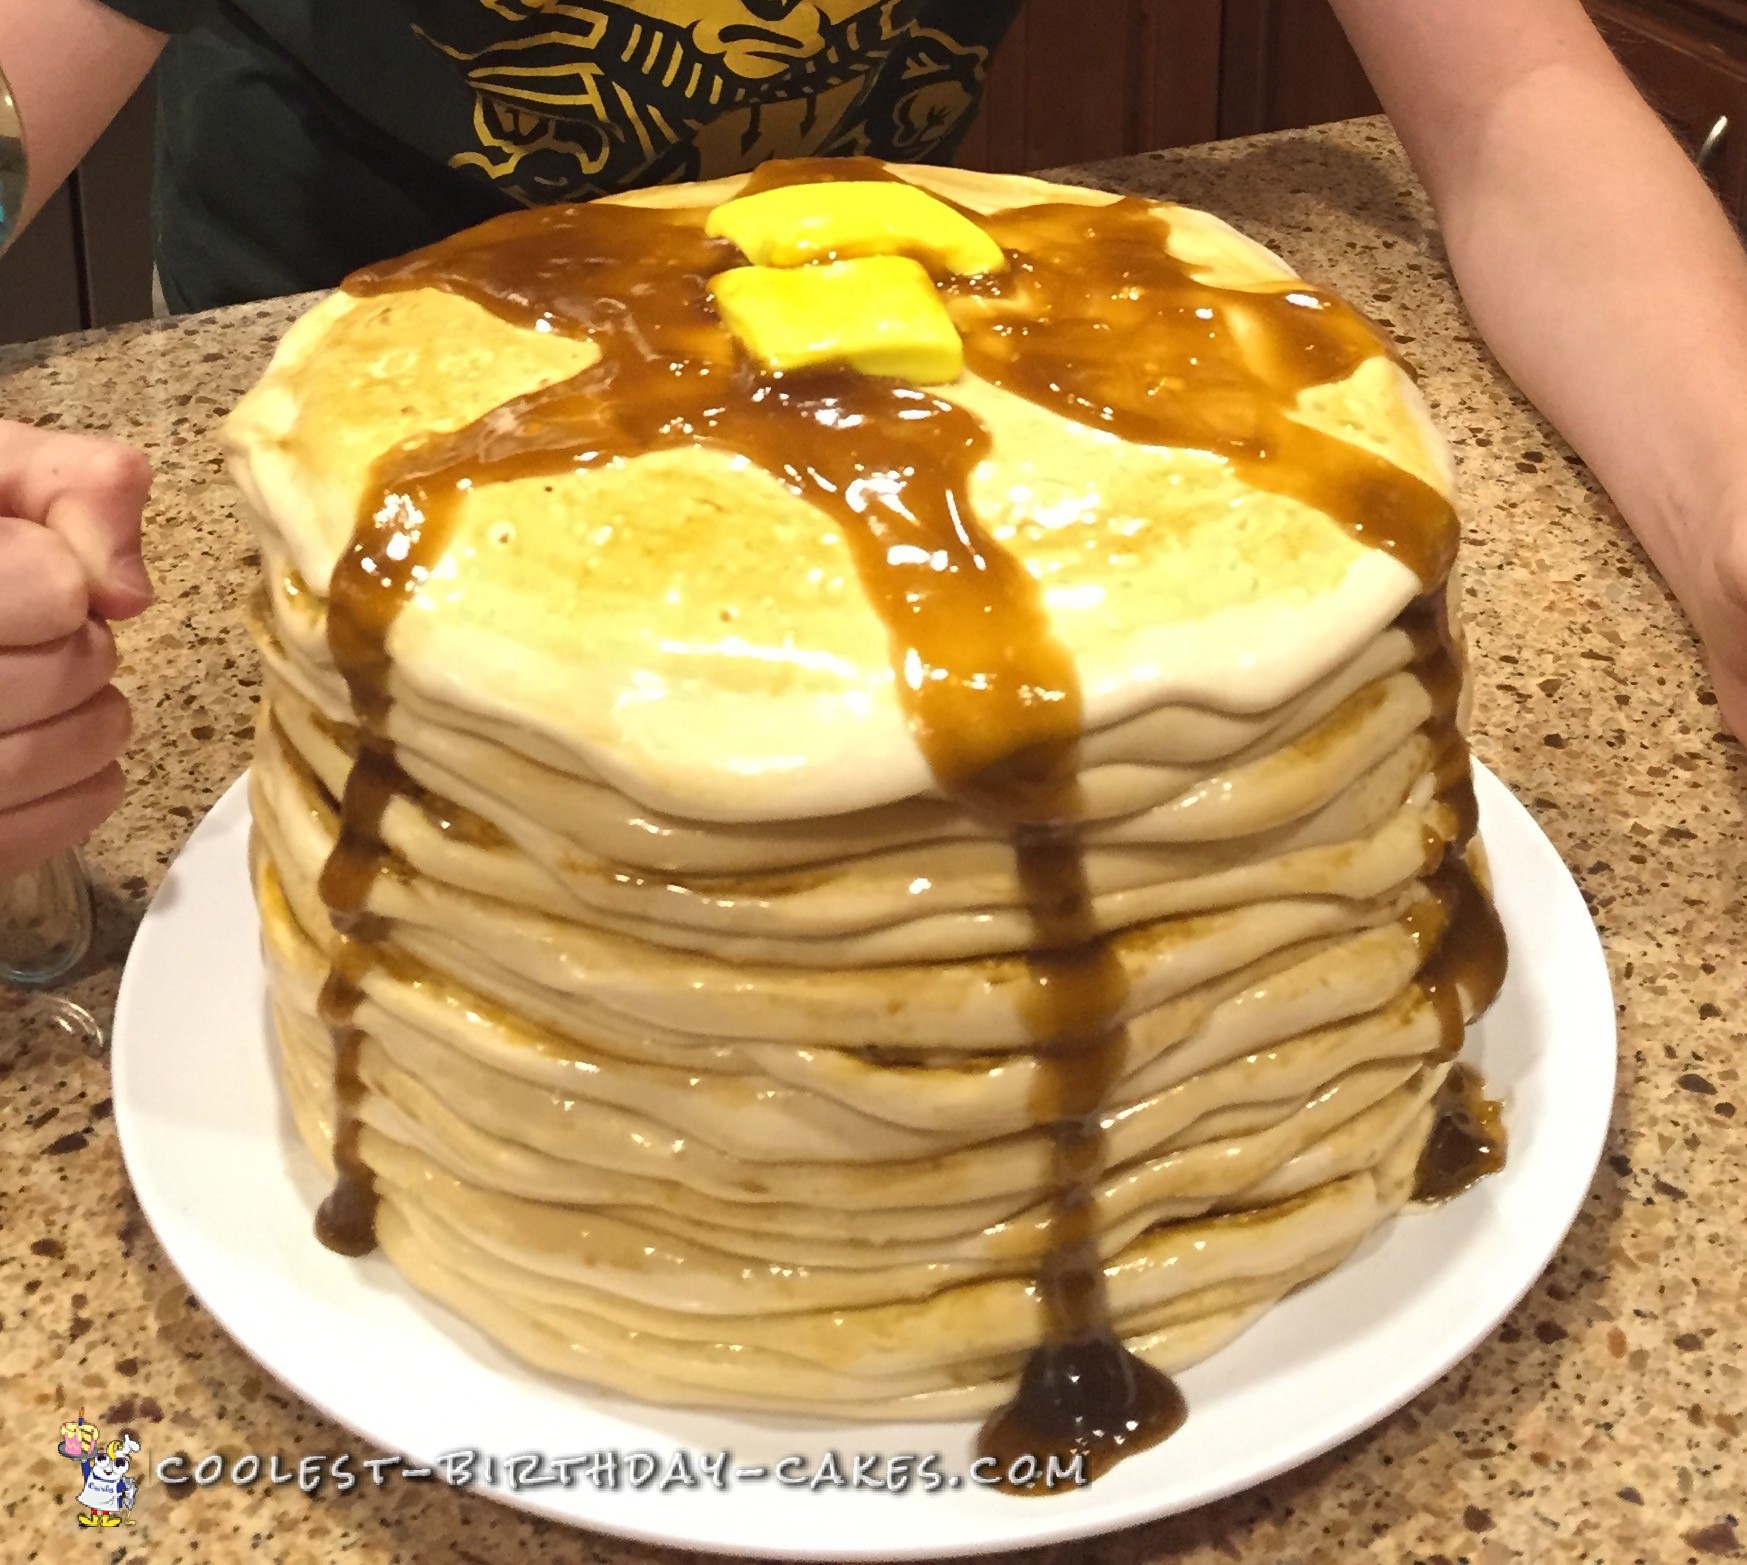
1078	80
115	205
1730	14
41	292
1691	63
1286	63
87	259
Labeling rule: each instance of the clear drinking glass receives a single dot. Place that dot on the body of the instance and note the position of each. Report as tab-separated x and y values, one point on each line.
45	929
45	921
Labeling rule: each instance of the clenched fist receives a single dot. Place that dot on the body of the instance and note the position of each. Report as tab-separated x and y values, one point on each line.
69	562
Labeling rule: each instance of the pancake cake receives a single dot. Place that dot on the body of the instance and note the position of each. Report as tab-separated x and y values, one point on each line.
861	806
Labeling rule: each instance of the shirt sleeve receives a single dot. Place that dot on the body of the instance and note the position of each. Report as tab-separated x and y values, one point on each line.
167	16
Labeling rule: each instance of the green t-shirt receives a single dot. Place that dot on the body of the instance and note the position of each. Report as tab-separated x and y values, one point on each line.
300	139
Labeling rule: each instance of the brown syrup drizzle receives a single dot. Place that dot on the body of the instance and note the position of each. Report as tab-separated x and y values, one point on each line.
1095	321
346	1220
1458	929
1082	1393
1467	1140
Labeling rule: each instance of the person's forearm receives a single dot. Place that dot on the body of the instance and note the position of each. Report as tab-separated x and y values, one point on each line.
1614	291
1594	260
72	64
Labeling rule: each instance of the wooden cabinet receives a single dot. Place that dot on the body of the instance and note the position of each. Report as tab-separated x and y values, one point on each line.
115	204
40	290
1077	81
87	258
1690	61
1286	63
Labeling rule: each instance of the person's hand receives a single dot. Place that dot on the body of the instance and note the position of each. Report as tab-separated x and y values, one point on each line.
69	561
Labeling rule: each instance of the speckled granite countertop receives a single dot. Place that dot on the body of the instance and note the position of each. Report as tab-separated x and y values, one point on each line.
1604	1422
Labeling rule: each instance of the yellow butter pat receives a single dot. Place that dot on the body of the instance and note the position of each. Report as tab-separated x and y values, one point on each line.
795	224
879	314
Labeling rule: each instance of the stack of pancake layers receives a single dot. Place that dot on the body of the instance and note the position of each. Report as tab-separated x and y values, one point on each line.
669	1013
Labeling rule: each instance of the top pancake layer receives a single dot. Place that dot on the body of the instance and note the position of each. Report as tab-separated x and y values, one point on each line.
681	625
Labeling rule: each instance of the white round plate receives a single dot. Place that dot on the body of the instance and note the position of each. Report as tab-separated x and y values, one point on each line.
231	1192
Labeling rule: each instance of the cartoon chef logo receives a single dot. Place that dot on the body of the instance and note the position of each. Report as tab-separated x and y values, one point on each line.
110	1486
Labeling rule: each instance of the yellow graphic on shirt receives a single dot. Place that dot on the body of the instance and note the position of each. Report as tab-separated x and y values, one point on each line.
573	99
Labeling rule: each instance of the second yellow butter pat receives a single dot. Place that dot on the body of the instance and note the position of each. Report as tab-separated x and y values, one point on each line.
838	220
879	314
